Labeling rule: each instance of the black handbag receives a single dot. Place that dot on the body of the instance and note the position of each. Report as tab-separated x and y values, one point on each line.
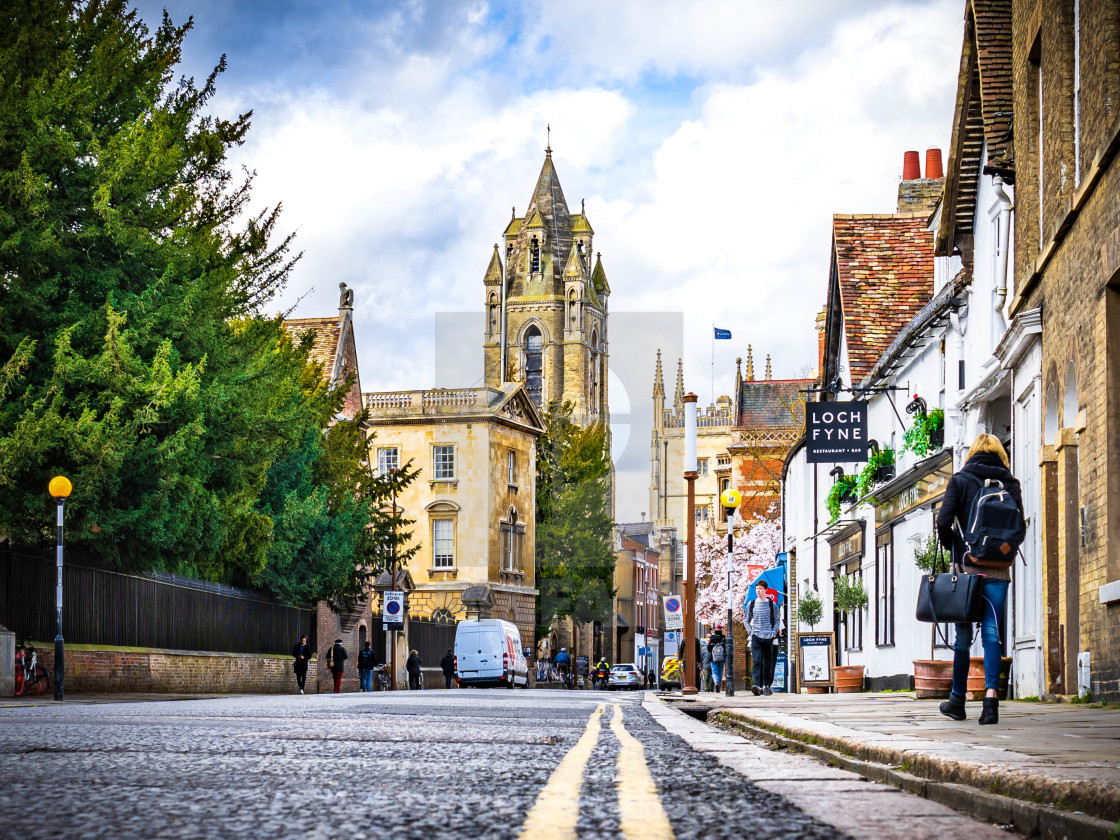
952	598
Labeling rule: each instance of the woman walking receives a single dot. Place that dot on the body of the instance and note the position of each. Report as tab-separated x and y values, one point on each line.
986	467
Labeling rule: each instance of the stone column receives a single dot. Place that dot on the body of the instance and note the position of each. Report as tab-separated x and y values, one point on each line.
1069	554
1048	469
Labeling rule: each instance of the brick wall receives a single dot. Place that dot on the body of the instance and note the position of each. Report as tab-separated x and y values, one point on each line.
90	669
1070	267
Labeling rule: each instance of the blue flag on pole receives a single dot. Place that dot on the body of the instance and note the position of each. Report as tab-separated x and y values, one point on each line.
722	333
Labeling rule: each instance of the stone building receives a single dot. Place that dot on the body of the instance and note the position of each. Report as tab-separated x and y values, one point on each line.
546	306
769	417
333	348
668	492
637	635
472	503
1065	59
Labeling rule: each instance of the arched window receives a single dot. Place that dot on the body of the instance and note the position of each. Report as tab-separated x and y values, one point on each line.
1069	403
534	256
493	307
534	363
443	616
572	309
593	379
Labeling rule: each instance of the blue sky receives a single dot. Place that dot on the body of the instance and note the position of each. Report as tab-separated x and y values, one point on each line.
712	143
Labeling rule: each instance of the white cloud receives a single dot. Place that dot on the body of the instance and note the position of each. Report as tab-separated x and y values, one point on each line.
713	146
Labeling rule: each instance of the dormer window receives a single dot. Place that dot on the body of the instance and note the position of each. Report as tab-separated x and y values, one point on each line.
534	256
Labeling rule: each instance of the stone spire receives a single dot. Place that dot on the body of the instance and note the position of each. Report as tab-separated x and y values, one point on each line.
678	397
738	373
750	363
768	376
658	379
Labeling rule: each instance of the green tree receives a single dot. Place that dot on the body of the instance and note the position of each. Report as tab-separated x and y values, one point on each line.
575	553
134	356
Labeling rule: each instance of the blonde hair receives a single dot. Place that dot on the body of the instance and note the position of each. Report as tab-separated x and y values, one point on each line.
988	443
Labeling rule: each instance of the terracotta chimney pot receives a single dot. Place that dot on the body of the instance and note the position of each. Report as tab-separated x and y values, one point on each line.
911	166
933	163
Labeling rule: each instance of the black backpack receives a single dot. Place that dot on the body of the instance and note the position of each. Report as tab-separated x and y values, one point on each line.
995	527
773	612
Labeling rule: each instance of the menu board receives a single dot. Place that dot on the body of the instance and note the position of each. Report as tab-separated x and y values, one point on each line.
815	652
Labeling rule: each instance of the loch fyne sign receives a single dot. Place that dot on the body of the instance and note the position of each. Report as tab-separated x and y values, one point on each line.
835	432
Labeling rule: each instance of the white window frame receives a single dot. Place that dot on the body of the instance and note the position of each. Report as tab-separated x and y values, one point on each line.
382	467
511	468
437	451
442	562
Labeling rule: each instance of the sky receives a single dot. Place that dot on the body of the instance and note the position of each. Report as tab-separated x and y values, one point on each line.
711	141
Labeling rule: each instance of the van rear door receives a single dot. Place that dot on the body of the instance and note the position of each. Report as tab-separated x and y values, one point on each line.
467	649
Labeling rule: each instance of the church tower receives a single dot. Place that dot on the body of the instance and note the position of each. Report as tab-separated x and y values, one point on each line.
546	305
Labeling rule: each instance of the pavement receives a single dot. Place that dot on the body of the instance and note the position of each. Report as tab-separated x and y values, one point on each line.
550	764
1044	768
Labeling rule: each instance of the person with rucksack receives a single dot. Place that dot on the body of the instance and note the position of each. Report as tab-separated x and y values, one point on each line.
367	661
336	662
705	668
717	650
764	625
981	522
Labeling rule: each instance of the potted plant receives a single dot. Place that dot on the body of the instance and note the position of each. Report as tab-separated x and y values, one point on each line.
848	596
843	491
933	678
879	468
926	434
809	609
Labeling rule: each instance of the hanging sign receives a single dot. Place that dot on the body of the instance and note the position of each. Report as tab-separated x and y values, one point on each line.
835	432
392	609
674	614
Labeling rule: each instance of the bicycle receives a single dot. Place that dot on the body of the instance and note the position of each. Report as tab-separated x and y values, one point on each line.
381	672
31	677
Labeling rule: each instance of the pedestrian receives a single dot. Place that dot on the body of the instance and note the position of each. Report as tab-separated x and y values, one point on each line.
412	665
763	625
986	469
301	653
705	667
367	661
448	666
336	661
717	650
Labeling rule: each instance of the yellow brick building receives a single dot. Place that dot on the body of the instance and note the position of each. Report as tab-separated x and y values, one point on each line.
473	501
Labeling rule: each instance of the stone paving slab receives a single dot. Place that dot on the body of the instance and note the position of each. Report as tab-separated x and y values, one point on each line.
841	798
1058	754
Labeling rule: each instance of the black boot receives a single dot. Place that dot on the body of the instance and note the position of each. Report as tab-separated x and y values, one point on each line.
991	711
953	707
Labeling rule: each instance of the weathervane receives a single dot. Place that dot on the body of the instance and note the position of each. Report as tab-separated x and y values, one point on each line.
548	143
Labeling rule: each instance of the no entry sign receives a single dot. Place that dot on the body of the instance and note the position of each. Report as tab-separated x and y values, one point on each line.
835	431
674	617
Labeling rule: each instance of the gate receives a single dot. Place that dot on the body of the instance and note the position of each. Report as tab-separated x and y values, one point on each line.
431	639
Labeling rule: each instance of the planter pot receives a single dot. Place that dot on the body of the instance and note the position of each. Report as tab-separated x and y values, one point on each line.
847	496
933	678
848	678
884	473
816	689
975	685
937	438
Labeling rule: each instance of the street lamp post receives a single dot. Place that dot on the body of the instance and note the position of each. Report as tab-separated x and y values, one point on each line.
688	679
730	499
59	488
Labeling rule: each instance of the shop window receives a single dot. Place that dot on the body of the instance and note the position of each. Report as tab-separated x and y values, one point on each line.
884	589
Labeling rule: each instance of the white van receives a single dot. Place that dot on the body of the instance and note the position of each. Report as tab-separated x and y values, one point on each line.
488	652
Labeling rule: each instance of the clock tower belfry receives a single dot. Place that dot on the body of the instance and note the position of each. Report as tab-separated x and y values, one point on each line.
546	298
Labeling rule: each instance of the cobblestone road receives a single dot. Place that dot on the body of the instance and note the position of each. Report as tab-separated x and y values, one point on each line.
492	763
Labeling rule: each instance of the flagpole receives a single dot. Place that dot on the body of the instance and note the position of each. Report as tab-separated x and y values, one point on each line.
713	364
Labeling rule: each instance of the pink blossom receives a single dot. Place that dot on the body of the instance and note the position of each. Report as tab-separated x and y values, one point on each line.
756	546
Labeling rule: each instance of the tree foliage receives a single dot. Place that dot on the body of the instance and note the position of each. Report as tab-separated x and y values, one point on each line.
575	553
134	355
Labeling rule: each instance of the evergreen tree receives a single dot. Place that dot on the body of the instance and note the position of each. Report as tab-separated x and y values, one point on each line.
575	552
134	356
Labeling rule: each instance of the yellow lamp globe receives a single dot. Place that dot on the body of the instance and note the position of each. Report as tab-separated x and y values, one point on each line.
60	487
730	498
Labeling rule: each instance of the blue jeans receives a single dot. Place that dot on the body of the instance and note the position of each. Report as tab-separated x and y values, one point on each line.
717	672
366	677
995	604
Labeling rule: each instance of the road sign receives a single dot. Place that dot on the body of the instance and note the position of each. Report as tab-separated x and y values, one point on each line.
392	609
674	614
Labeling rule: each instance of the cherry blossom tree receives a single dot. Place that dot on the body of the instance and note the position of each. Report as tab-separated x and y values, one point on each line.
755	550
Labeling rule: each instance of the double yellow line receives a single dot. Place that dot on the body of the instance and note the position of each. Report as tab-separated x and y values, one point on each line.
556	811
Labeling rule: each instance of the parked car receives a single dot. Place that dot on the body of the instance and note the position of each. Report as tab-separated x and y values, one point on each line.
625	676
488	652
670	673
